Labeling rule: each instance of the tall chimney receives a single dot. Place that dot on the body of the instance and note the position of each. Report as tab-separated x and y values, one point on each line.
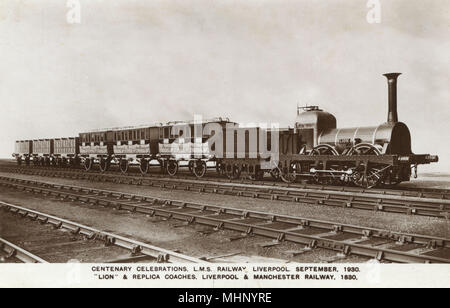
392	86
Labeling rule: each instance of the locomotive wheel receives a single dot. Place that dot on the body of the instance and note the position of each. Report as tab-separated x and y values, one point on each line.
369	180
144	166
172	167
199	168
324	149
124	165
88	164
104	164
364	149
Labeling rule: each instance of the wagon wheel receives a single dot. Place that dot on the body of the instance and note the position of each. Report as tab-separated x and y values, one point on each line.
104	164
324	149
172	167
144	166
27	161
19	161
53	161
88	164
199	168
289	174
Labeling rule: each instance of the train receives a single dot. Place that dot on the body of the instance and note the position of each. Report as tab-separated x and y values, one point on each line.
314	149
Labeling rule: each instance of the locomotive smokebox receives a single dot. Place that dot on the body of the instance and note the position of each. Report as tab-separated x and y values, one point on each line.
392	96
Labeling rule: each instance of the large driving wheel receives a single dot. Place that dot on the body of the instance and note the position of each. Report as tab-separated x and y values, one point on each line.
370	179
199	168
172	167
144	166
364	149
324	149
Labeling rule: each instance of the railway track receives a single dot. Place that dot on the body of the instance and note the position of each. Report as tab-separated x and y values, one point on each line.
366	201
345	239
432	193
12	251
139	250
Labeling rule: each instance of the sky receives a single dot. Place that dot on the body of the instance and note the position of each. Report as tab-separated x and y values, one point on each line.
133	62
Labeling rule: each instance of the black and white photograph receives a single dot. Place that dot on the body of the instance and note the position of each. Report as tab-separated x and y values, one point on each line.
224	144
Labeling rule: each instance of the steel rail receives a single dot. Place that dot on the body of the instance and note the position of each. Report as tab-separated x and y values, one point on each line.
358	239
432	193
162	255
13	251
387	203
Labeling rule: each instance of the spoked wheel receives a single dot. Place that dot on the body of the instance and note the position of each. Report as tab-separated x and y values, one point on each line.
124	165
172	167
88	164
53	162
364	149
104	164
144	166
199	168
324	149
289	174
371	179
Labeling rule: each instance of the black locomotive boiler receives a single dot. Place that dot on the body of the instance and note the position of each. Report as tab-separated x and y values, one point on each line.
314	149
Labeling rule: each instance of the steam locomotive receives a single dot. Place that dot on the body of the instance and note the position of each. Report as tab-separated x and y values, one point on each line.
314	149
